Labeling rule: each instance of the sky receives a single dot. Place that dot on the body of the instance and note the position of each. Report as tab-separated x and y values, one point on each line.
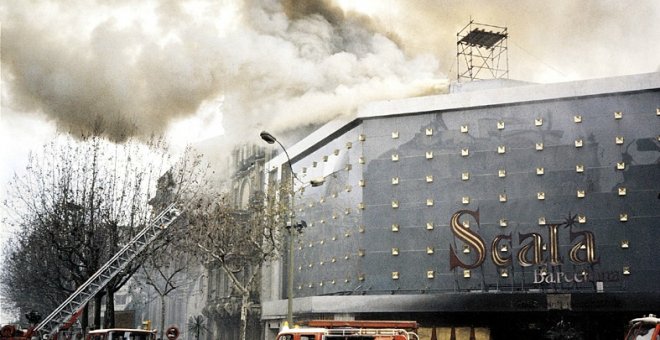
194	69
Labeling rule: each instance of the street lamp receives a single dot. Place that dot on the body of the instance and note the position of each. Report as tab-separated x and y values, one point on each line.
270	139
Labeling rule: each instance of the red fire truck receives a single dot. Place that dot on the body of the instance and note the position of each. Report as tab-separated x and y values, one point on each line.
122	334
646	328
351	330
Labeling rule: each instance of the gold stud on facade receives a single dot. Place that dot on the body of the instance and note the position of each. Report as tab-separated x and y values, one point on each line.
395	157
336	152
429	154
362	138
578	143
618	115
429	131
542	220
623	217
429	250
504	272
429	202
361	160
626	270
539	146
395	180
582	219
540	171
501	149
465	152
429	225
464	128
657	111
430	274
361	206
395	251
625	244
579	168
620	165
395	275
503	222
466	249
502	197
501	173
466	224
465	200
395	134
540	195
325	158
622	191
361	252
349	145
618	140
577	119
395	204
500	125
538	121
429	178
580	194
395	227
466	273
465	176
361	183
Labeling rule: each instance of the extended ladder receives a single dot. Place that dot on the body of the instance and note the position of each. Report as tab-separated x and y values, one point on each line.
74	304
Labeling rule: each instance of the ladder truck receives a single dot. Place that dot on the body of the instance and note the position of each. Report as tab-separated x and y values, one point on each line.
66	314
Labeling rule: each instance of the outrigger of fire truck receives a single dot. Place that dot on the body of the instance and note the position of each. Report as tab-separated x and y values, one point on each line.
353	330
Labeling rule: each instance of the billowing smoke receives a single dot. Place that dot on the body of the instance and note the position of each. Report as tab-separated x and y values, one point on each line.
129	68
126	68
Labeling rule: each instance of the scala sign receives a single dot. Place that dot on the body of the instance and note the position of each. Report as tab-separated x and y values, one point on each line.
531	251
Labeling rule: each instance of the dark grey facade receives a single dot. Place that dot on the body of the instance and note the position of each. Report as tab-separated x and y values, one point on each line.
534	203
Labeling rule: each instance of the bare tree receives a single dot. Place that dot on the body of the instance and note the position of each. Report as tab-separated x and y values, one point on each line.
76	204
240	241
165	270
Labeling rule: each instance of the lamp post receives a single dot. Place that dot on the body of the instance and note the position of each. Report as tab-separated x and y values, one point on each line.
270	139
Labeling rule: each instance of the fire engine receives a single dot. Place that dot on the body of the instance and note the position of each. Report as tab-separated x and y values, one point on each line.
60	321
351	330
646	328
121	334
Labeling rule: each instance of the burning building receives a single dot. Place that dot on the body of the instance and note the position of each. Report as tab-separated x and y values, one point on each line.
519	207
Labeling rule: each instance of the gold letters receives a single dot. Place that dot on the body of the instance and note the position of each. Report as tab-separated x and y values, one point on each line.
470	237
533	249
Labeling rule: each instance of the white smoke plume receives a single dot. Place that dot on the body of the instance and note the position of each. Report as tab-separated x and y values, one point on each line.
128	68
125	68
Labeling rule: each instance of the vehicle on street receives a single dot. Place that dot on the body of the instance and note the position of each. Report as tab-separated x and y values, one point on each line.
122	334
646	328
351	330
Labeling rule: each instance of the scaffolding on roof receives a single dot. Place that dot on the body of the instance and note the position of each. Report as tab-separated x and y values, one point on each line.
482	52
